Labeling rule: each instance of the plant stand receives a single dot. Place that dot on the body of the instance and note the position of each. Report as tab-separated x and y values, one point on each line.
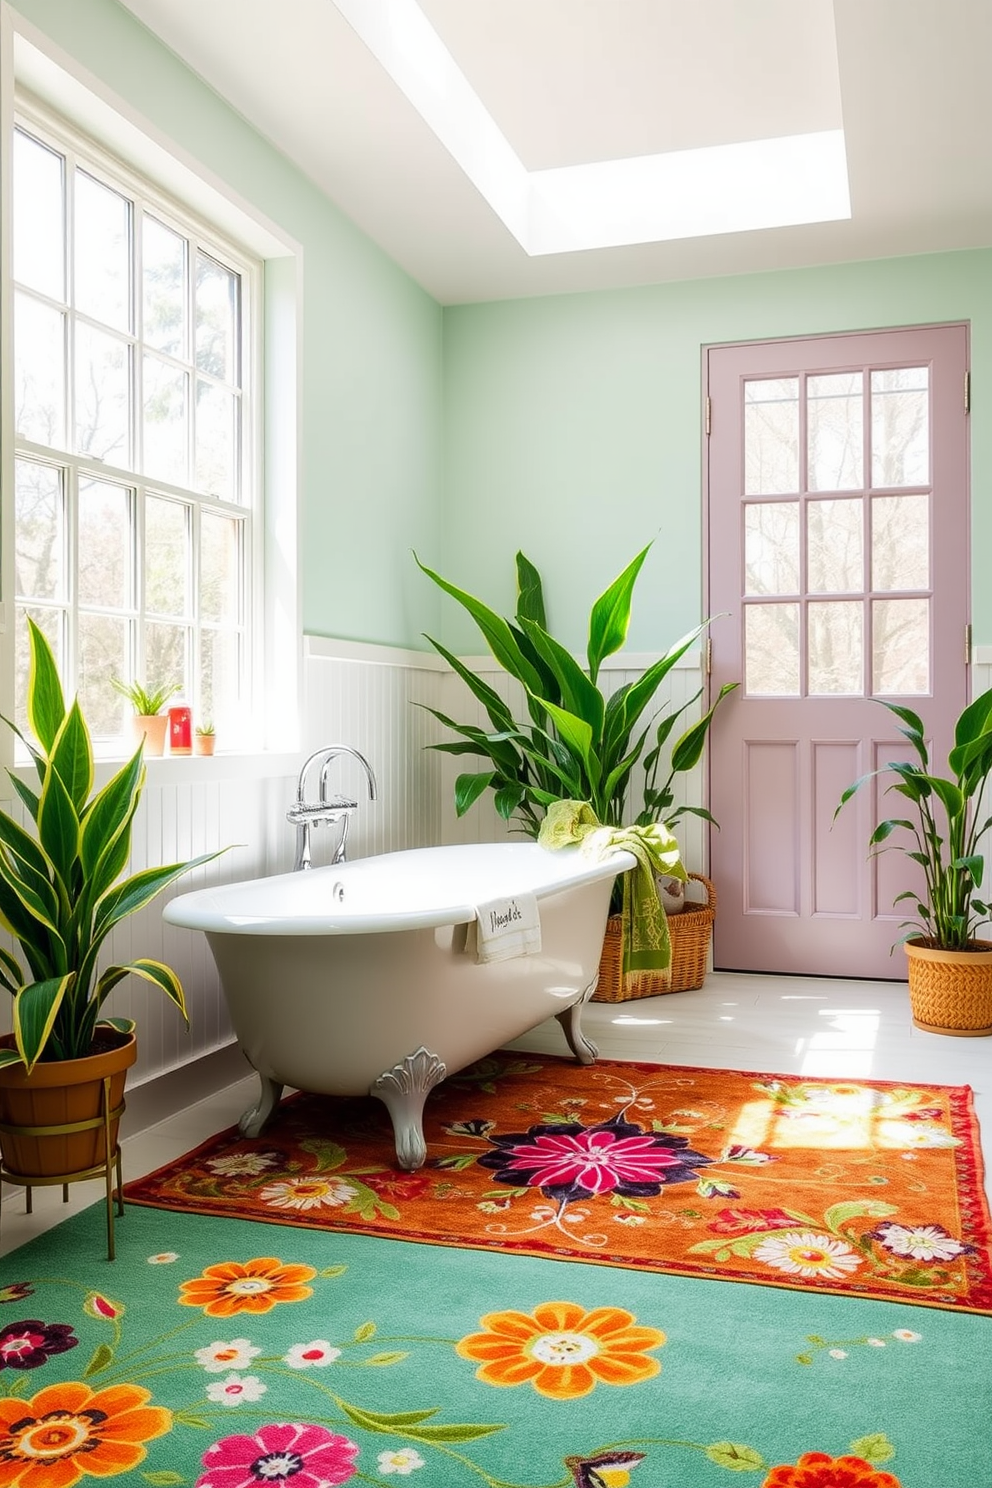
107	1119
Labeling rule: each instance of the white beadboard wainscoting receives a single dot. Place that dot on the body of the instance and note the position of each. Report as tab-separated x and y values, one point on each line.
373	698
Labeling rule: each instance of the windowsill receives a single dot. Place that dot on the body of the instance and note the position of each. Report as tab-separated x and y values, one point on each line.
184	769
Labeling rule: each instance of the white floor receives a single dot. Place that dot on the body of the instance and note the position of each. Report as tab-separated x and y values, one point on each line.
773	1024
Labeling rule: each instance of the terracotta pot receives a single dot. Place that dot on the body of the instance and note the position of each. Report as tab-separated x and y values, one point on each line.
152	728
204	743
951	991
58	1094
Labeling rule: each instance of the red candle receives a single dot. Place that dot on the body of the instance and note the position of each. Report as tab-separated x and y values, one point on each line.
180	730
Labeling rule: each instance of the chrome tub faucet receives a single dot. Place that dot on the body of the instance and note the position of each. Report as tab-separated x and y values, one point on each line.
304	814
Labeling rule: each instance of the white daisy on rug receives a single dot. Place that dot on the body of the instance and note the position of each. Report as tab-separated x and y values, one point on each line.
236	1389
308	1193
218	1356
402	1462
802	1253
311	1355
926	1242
247	1163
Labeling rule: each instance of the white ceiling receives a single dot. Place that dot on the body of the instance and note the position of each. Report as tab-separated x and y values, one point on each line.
574	81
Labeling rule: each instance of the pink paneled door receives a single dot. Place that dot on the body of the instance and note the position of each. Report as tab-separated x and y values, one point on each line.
837	476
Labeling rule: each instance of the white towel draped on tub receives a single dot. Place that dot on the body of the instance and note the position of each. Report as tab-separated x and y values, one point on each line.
507	927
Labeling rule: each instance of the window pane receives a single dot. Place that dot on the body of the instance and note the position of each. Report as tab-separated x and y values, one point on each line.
39	372
900	646
164	280
835	431
771	436
38	217
220	678
836	649
103	396
215	444
771	547
835	547
39	541
167	557
220	568
216	318
166	648
900	427
900	542
105	545
104	653
166	432
102	251
771	650
51	623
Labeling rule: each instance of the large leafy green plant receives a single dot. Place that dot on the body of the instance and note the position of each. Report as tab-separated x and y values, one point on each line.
577	743
61	892
945	831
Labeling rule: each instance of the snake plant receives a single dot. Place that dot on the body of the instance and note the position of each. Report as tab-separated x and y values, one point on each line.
578	743
61	891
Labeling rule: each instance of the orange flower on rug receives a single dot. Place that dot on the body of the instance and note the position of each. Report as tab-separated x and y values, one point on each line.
866	1187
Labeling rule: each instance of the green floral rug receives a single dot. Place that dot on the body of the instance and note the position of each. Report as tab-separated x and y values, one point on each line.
228	1354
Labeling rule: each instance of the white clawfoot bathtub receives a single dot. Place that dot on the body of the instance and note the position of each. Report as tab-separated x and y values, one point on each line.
362	979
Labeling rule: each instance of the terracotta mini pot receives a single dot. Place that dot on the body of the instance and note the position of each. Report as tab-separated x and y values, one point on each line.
58	1094
152	728
204	743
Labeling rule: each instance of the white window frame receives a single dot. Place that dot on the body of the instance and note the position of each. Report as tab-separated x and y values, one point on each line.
80	150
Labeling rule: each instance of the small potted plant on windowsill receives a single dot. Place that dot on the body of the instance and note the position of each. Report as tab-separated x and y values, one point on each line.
204	738
149	722
950	969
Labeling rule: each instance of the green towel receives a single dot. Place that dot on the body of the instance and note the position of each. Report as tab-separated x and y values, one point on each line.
647	945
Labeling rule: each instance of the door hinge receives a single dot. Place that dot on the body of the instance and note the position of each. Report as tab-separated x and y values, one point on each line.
967	645
708	416
967	392
708	657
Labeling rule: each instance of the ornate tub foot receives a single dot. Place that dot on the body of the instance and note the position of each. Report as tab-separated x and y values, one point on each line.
256	1116
403	1091
583	1048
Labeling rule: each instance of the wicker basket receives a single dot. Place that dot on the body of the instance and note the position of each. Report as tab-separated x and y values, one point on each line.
690	931
951	991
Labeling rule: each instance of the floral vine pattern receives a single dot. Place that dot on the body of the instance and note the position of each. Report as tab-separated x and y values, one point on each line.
210	1397
856	1187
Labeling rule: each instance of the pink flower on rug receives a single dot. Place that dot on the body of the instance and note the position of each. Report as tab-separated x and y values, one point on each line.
309	1456
801	1253
748	1221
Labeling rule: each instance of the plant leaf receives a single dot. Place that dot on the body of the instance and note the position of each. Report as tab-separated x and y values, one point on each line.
45	701
496	631
468	789
72	757
155	972
36	1007
609	620
530	593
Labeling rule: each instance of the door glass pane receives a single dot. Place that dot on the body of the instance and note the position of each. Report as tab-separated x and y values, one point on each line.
771	650
220	678
220	568
38	217
163	268
39	542
835	547
104	652
835	431
216	319
215	445
771	436
103	396
900	646
105	545
771	547
39	371
836	648
900	542
166	648
166	432
166	557
900	427
51	623
102	253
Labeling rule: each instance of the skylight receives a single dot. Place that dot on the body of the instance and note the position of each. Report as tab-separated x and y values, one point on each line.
740	187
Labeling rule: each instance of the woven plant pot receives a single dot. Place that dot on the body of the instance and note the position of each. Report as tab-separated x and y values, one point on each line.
56	1095
690	932
951	991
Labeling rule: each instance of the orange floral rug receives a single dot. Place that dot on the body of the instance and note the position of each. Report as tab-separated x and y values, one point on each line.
863	1188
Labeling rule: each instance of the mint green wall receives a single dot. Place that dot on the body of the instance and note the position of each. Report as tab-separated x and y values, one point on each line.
572	427
371	383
